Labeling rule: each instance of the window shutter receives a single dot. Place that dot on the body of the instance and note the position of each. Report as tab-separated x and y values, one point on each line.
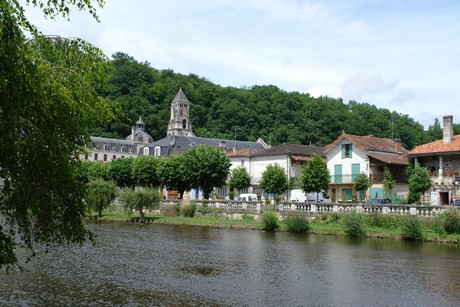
351	151
343	151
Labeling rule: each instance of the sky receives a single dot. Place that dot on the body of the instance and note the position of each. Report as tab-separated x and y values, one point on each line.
401	55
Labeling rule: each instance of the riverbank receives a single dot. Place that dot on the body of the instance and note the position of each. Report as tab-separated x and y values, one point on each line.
324	226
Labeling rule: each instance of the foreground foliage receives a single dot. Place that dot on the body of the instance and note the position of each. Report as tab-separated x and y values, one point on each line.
48	104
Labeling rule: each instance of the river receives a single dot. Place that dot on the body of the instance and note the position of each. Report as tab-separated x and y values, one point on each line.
152	264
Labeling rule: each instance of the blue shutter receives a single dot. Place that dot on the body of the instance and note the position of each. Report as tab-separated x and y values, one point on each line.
343	151
351	150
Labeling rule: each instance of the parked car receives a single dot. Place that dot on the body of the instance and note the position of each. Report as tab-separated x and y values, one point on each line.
379	201
247	197
456	203
297	195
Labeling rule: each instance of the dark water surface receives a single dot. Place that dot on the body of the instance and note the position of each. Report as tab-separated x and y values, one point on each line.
182	265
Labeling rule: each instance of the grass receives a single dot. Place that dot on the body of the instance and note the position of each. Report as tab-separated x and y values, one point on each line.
318	226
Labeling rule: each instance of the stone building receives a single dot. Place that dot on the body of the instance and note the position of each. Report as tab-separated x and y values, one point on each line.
442	159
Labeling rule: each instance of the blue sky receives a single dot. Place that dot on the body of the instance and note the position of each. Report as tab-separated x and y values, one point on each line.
395	54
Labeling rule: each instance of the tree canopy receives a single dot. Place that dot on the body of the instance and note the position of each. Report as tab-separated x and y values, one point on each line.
419	183
239	179
274	180
48	105
315	175
260	111
206	167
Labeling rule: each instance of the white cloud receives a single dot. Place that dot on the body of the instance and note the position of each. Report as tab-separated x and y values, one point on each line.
399	55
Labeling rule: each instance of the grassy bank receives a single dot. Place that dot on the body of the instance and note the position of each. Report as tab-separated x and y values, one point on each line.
387	227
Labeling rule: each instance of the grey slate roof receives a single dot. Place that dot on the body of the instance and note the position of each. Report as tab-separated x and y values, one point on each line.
177	144
112	144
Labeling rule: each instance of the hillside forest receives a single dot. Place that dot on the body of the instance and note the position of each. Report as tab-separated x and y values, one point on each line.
247	113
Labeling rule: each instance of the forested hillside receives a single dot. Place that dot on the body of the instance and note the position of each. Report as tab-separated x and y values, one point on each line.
263	111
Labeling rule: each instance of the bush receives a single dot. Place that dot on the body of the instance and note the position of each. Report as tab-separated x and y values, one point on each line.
205	209
297	222
354	224
248	217
188	211
411	229
451	221
270	221
383	220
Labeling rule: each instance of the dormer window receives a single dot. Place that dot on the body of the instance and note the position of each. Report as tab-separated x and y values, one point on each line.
106	147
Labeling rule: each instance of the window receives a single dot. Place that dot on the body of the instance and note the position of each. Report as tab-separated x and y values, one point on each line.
184	124
106	147
105	157
123	149
347	150
95	157
86	157
242	162
114	148
114	157
130	149
157	152
146	151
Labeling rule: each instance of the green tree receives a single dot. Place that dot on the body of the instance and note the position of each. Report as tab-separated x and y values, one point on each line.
239	179
315	175
48	103
171	173
145	171
120	171
100	194
206	167
274	181
388	181
140	199
89	170
419	183
362	183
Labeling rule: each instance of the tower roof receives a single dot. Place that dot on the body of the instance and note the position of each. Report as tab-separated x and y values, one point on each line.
180	97
140	121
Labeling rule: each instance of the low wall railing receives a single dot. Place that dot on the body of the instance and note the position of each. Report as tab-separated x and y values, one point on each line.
312	208
226	205
315	208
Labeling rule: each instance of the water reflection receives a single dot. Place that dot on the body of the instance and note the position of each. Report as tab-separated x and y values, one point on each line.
184	265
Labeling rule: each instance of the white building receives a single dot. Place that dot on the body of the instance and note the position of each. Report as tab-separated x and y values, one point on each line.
290	157
350	155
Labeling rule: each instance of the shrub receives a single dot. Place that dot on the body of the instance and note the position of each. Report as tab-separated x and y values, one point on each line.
205	209
383	220
411	229
248	217
354	224
188	211
451	221
297	222
270	221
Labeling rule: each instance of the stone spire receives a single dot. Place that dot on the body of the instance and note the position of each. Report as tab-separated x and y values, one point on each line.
179	123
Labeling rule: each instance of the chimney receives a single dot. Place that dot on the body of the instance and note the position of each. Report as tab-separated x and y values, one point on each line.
448	130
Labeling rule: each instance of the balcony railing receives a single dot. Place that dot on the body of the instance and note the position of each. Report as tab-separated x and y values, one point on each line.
375	178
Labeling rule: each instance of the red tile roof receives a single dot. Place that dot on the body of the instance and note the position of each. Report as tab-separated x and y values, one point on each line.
437	147
246	152
370	143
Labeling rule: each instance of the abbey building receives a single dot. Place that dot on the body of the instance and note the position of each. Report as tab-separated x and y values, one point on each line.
179	137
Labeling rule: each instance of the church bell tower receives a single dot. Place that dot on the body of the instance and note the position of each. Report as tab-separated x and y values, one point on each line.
179	123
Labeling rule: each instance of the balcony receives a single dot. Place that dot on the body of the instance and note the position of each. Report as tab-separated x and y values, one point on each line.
375	178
